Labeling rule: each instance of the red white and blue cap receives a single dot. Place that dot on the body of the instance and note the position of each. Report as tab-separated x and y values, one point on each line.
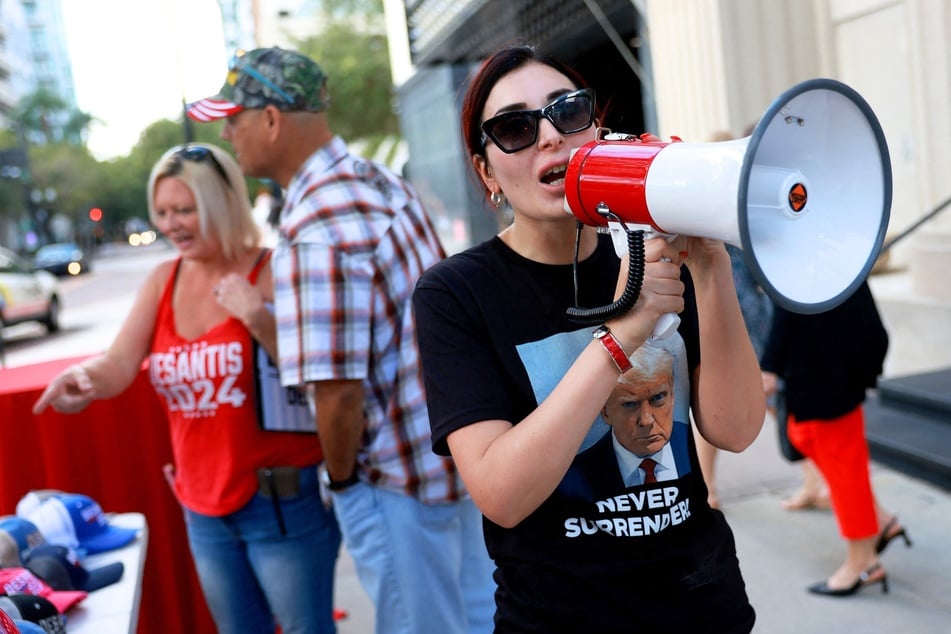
77	521
273	76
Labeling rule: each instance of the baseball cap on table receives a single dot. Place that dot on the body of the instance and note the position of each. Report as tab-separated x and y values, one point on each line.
24	533
22	581
77	521
9	551
61	568
10	624
33	499
33	614
7	626
29	627
266	77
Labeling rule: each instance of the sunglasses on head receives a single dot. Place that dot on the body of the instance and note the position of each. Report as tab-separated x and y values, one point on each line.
200	154
238	65
517	130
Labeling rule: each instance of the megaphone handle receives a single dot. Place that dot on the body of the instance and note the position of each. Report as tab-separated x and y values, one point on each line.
632	289
667	323
665	326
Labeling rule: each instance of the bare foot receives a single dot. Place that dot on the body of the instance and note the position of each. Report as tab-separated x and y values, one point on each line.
804	499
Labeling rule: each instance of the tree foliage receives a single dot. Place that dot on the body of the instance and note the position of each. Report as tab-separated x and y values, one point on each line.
349	43
43	117
351	47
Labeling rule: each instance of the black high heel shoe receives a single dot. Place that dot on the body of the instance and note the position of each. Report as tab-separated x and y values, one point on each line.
885	539
863	580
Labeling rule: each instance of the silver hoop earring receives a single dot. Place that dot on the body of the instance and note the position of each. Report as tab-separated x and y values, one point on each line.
496	198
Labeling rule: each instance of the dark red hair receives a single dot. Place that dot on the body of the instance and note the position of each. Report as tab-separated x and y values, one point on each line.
484	79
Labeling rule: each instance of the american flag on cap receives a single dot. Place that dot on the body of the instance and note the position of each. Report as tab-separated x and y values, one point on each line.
285	79
211	109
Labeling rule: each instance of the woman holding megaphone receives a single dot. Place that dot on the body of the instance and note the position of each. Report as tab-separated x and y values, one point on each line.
587	535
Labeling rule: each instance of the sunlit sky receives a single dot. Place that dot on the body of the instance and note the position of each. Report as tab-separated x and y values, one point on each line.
134	61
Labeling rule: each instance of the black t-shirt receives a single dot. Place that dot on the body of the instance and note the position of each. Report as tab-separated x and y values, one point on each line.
598	555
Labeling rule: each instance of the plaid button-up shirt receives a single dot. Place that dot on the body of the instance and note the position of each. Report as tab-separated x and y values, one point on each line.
353	240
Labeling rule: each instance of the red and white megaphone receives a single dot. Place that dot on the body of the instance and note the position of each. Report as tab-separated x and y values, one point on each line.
807	196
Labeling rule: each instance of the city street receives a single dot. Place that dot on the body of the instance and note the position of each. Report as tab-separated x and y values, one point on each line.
94	305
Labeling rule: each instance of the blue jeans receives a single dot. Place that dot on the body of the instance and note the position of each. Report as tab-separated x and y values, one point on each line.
425	567
252	575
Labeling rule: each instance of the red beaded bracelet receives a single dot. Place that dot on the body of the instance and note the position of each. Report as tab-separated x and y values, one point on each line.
610	343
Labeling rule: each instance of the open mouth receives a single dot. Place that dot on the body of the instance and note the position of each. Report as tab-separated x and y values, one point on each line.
555	175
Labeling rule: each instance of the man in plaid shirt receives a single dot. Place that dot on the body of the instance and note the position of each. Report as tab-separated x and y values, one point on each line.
353	240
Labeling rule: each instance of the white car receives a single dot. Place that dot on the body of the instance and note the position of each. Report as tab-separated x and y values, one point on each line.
27	294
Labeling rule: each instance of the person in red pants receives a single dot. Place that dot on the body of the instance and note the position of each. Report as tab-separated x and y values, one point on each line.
828	361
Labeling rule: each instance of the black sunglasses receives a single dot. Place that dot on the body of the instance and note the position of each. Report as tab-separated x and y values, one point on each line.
517	130
199	154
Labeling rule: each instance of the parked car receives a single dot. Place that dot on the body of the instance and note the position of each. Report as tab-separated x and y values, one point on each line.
27	294
62	259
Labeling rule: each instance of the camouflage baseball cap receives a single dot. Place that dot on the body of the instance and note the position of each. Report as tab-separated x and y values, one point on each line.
266	76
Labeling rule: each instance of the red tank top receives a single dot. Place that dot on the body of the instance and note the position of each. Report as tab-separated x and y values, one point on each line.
207	387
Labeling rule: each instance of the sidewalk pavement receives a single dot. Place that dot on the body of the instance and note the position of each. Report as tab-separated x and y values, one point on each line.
783	552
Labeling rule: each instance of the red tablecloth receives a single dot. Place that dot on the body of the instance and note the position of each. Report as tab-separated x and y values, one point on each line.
113	452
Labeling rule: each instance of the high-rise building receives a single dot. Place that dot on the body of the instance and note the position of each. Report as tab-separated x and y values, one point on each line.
48	59
16	71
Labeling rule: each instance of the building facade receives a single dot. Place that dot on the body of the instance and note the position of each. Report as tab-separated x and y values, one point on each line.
692	68
16	72
48	60
33	57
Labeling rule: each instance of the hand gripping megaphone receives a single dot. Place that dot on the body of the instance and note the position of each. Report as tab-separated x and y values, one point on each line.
806	196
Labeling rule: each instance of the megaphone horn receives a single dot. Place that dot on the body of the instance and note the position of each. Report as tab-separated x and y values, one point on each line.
806	196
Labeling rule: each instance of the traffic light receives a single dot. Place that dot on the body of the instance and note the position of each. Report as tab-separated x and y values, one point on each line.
95	214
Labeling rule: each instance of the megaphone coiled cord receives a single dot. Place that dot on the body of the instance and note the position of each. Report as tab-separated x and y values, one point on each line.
632	290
